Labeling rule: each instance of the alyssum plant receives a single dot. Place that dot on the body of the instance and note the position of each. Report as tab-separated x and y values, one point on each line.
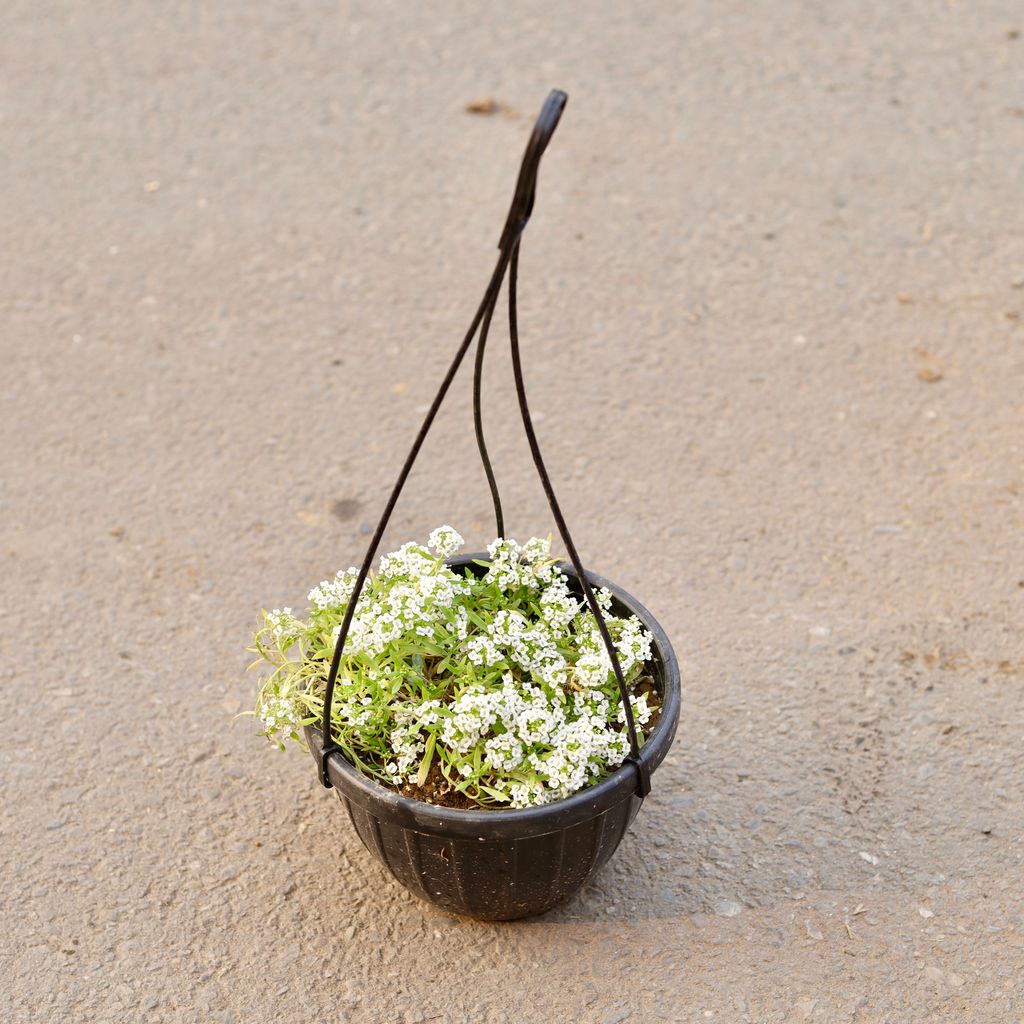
491	690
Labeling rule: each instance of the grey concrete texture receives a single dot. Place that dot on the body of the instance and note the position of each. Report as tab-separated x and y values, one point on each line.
771	305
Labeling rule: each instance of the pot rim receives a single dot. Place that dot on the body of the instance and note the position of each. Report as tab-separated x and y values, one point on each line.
586	803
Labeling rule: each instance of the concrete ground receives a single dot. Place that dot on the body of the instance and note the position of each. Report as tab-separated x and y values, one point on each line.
771	306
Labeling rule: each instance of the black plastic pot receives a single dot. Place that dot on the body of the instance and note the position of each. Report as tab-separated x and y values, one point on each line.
498	865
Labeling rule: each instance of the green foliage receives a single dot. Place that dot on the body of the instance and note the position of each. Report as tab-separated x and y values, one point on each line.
500	680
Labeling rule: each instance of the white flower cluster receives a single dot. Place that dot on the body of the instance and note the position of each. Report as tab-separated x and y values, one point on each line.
277	715
632	645
408	742
281	623
334	593
445	541
510	640
513	567
526	731
410	561
502	678
418	600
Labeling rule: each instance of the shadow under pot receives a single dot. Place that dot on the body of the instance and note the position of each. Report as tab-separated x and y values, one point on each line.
498	865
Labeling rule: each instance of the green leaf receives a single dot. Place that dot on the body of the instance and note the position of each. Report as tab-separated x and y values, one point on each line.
495	793
428	756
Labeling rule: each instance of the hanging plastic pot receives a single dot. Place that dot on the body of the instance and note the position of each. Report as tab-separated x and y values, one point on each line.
504	864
